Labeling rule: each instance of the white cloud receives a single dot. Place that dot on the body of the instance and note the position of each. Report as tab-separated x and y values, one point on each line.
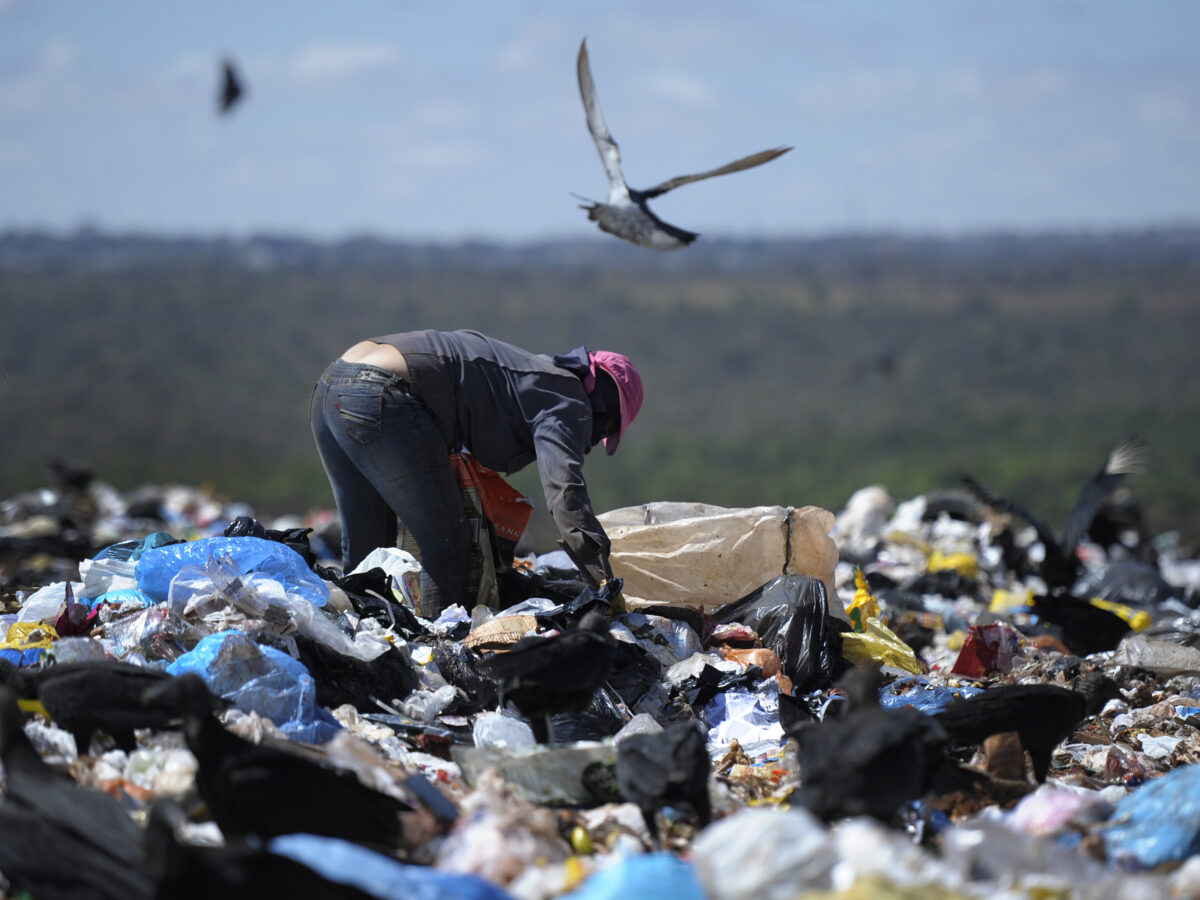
445	113
533	48
330	62
880	90
677	87
1165	108
49	78
446	154
57	58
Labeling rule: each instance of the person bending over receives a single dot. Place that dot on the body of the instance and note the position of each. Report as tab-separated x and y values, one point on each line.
387	415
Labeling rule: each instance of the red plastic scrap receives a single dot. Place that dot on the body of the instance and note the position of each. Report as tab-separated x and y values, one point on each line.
988	648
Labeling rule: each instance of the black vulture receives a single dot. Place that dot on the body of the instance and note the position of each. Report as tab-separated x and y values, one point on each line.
1043	715
231	87
1061	566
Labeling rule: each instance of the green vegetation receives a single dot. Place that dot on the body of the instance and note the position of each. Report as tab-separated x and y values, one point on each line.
790	372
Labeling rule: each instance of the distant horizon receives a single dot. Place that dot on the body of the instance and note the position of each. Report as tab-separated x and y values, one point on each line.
291	233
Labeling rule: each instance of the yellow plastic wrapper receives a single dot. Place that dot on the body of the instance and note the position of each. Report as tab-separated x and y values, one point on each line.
964	564
29	636
879	644
864	605
1138	619
1007	601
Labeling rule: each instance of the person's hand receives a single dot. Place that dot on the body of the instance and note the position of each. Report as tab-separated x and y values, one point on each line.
610	593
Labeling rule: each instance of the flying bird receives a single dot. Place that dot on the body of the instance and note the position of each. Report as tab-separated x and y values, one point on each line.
625	213
1061	566
231	89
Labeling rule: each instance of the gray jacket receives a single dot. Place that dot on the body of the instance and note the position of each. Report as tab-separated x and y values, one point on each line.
510	407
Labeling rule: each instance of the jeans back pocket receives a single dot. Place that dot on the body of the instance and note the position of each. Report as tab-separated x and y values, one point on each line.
361	411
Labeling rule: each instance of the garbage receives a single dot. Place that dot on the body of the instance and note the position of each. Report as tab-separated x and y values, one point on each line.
260	679
664	874
701	555
945	610
790	614
380	876
1158	823
994	647
157	566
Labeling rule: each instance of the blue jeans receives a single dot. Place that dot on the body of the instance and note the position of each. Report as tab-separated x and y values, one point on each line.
385	458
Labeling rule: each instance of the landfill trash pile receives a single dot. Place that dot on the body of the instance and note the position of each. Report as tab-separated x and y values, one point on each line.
196	702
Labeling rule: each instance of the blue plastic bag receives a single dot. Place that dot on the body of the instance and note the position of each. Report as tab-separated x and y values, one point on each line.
159	565
131	551
920	694
1157	823
644	875
379	875
260	679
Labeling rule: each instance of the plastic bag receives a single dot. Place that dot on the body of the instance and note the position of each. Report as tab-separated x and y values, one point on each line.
694	554
760	854
378	875
260	679
158	565
988	648
44	604
645	875
1157	823
1164	658
1128	581
878	643
921	694
790	614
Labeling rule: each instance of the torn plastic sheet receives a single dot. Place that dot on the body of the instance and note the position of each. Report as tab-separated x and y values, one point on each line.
920	694
1157	823
752	719
260	679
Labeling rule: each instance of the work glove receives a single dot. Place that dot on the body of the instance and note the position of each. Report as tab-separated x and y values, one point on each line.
610	593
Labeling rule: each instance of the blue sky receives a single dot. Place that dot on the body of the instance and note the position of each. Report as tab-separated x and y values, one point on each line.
463	120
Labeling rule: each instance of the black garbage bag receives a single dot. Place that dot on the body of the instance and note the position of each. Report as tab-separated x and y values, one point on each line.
459	666
370	593
791	615
634	672
1130	582
518	585
295	538
698	690
601	718
344	679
